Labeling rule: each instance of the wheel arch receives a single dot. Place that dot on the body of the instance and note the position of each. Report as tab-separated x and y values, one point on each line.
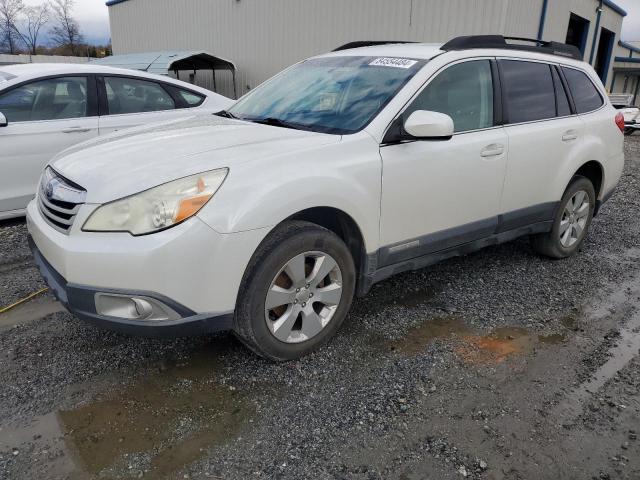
594	171
345	227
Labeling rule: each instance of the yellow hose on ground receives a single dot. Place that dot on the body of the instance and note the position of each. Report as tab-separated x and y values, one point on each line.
20	302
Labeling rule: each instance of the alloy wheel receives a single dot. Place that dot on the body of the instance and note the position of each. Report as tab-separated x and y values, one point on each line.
303	297
574	219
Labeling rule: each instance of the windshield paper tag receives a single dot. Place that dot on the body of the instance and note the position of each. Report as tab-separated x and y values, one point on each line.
393	62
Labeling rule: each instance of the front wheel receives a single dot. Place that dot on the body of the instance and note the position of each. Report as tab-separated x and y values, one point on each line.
571	223
296	292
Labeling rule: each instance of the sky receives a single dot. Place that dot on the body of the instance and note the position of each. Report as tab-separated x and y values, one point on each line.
93	17
631	24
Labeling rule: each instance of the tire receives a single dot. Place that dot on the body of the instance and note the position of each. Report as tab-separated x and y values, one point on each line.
272	333
558	243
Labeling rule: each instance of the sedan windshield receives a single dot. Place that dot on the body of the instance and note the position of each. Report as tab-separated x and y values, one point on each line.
338	95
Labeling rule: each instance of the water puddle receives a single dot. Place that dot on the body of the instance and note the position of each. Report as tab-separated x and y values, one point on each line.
34	309
418	338
627	347
154	427
501	344
472	348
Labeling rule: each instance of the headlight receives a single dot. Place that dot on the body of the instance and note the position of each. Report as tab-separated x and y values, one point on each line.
158	208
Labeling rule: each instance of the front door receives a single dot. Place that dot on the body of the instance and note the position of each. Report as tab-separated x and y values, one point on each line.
440	194
44	118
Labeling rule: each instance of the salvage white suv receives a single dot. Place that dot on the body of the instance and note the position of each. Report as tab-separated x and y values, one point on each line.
337	173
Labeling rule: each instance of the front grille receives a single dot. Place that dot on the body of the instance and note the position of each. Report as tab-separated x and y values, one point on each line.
59	200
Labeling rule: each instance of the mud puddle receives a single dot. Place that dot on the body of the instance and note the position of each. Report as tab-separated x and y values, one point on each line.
627	347
470	346
34	309
152	428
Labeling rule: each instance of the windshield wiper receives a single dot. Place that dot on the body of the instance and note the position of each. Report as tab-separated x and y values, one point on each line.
225	113
276	122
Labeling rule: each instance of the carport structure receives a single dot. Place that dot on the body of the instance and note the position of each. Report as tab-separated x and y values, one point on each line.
166	62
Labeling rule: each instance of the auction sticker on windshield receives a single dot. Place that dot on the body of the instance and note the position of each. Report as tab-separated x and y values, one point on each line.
393	62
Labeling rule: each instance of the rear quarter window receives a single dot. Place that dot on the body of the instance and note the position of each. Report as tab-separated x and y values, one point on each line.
586	96
190	98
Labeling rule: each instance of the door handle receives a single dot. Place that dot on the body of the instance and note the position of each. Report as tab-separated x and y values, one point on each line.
493	150
569	136
76	130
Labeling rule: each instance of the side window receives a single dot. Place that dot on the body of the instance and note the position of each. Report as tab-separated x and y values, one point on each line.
528	86
464	92
129	95
584	92
52	99
562	101
191	99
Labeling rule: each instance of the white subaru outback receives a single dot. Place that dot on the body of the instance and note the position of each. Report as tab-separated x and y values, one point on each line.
344	169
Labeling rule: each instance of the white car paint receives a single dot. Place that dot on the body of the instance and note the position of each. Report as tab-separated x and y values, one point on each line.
28	145
396	194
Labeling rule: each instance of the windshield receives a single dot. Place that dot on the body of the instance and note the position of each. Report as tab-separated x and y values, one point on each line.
339	95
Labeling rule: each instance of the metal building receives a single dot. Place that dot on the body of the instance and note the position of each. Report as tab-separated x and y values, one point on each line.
263	36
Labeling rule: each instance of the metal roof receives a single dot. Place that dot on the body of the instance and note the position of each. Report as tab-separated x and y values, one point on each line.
628	46
162	63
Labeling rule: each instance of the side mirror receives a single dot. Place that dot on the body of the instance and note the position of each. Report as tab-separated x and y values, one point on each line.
3	120
429	125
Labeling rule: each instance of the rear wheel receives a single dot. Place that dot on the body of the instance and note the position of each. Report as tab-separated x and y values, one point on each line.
571	223
296	293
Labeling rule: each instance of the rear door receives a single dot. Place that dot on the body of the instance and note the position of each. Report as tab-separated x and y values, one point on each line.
45	117
128	102
543	134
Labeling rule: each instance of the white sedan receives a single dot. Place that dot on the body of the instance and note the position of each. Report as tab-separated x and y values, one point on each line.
46	108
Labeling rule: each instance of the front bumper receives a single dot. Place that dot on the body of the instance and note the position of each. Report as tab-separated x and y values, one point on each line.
191	269
80	300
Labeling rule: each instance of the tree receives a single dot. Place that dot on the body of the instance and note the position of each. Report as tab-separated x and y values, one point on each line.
35	18
9	12
66	31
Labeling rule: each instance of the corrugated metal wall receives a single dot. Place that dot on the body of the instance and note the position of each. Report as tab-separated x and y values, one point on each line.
264	36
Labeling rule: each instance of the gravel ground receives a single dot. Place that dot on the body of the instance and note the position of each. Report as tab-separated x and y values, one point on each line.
498	365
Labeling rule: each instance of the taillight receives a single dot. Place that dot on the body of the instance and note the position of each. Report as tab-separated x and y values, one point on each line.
620	121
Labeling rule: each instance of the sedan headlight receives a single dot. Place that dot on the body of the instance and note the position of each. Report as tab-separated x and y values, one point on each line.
157	208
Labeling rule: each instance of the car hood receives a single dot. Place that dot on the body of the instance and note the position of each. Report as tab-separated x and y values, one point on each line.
137	159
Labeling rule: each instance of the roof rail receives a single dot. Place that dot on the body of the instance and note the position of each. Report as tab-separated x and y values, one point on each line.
498	41
368	43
